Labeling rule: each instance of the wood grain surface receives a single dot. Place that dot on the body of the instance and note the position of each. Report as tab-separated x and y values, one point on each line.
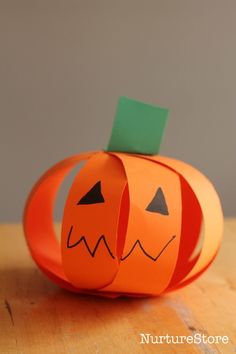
36	317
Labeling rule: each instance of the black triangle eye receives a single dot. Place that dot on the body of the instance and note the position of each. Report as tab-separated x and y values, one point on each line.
93	196
158	203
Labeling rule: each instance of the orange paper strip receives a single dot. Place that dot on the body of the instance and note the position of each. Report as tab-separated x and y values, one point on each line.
152	238
90	223
38	219
211	211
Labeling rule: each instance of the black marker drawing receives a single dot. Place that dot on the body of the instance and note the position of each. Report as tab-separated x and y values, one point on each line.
102	239
93	196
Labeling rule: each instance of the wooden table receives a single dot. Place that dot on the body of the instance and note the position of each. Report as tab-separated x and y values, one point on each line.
36	317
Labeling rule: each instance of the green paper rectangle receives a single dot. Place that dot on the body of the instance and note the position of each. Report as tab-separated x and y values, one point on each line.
138	127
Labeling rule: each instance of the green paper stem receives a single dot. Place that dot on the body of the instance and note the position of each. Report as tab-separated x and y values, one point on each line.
138	127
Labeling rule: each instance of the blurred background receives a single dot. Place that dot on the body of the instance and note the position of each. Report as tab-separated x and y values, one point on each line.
65	63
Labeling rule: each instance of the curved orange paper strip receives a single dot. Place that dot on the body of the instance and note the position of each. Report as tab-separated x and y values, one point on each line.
90	230
152	240
190	234
211	211
38	220
38	224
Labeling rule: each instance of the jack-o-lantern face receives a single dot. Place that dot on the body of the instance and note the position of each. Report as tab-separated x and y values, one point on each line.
121	225
132	219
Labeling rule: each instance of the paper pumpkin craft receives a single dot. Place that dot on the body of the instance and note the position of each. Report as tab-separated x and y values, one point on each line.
133	220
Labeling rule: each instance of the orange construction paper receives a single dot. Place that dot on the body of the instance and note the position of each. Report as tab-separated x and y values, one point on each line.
93	224
39	228
191	225
131	223
145	270
129	250
38	219
211	211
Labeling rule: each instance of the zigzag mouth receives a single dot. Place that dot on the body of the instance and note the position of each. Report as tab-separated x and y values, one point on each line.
92	252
